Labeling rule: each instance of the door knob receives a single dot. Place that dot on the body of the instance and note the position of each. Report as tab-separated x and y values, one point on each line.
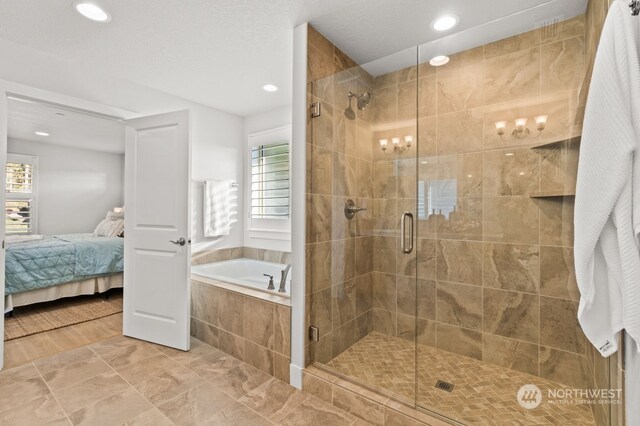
180	242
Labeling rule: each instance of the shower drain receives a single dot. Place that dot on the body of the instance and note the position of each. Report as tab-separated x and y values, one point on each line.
445	386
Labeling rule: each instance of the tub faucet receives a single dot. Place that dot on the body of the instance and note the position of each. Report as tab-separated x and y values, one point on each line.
271	286
283	279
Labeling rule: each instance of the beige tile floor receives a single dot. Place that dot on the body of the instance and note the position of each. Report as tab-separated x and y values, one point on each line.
123	381
483	393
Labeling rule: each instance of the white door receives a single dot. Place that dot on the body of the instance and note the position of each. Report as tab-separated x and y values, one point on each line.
157	250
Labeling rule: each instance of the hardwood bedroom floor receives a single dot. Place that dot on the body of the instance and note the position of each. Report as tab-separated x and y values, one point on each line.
26	349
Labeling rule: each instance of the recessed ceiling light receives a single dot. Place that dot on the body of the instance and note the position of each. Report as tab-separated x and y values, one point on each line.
445	22
42	133
270	88
438	61
92	11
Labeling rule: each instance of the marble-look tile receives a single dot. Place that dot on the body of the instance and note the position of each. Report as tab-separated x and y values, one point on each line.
364	255
460	87
511	220
231	344
565	116
511	314
364	179
238	380
343	338
364	140
344	175
343	260
384	179
321	310
319	224
343	60
168	384
358	406
281	367
383	321
562	30
364	293
407	107
562	65
75	373
386	80
427	137
407	174
282	321
512	76
273	399
364	220
406	327
511	267
322	127
385	107
406	290
238	414
259	322
460	261
557	273
558	168
197	406
204	302
562	367
231	312
344	302
63	359
459	304
213	365
510	172
149	418
458	340
111	410
427	95
320	168
426	332
18	374
426	299
384	291
82	394
313	411
318	387
319	65
512	44
464	223
318	265
465	170
39	411
510	353
341	228
460	132
204	332
197	350
320	42
142	370
556	221
426	259
385	220
559	327
259	357
384	254
393	418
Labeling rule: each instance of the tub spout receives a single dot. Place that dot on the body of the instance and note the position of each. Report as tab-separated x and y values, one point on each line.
283	279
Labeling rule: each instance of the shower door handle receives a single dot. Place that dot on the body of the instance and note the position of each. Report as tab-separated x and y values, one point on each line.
403	239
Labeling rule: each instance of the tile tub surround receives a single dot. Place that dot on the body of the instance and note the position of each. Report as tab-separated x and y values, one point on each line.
253	330
126	381
210	256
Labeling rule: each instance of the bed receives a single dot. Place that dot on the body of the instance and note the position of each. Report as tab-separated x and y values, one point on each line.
52	267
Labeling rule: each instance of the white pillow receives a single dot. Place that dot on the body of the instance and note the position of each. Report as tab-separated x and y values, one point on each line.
111	215
109	228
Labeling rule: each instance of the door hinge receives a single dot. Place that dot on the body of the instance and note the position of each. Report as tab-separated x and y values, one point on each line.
314	334
316	109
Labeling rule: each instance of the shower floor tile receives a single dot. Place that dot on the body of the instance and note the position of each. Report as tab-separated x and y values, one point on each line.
483	393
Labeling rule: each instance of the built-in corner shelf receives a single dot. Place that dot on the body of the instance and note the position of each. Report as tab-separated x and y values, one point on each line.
572	141
551	194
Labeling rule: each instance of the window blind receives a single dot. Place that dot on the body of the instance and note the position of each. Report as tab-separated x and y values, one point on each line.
270	181
19	199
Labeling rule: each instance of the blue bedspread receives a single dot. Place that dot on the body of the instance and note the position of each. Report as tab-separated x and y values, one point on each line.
61	259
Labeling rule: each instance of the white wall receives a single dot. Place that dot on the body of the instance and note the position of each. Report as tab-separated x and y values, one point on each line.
253	124
76	187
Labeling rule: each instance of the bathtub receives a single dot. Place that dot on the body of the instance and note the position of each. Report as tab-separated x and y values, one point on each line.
245	274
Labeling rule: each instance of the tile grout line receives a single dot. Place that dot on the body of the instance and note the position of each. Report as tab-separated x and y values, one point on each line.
52	394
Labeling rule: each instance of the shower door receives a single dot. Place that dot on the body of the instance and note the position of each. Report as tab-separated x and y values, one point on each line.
362	245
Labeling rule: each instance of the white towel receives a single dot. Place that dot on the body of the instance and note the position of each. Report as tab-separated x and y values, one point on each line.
607	207
216	208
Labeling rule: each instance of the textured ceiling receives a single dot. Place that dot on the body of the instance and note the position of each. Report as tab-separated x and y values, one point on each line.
220	52
65	127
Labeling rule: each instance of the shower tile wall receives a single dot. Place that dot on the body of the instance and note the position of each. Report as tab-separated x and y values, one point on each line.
339	155
496	280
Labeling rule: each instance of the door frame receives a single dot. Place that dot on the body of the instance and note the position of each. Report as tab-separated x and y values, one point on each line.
8	88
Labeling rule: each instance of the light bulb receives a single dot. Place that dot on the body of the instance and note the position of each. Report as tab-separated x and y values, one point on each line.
520	123
395	141
408	140
500	126
383	144
541	122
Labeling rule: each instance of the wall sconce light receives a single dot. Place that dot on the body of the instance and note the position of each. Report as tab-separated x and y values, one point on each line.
398	147
522	131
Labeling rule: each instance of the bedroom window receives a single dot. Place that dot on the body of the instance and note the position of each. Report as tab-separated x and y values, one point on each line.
20	200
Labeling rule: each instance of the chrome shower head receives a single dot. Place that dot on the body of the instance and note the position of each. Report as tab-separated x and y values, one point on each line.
363	100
